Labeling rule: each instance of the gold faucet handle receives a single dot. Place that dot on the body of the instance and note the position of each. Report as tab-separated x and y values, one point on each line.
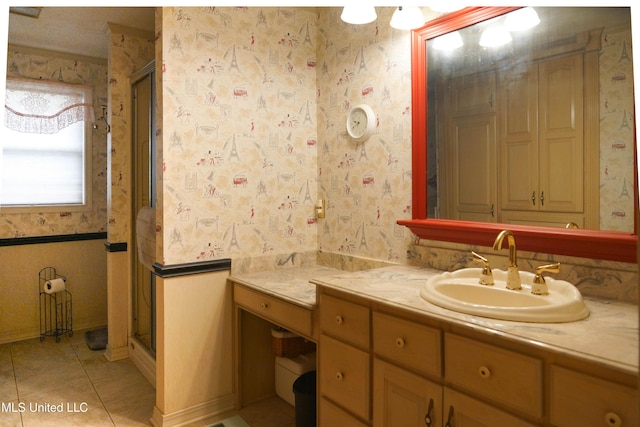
539	285
486	277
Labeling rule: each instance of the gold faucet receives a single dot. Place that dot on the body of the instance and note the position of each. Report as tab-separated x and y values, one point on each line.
513	275
539	285
486	276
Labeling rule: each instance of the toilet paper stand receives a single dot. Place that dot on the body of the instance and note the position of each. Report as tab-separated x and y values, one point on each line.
55	308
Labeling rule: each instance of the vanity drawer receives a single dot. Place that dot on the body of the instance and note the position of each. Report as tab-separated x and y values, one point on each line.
408	343
285	314
495	373
344	375
345	320
580	400
332	416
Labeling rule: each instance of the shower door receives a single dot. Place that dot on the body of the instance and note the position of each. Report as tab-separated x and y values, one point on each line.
143	289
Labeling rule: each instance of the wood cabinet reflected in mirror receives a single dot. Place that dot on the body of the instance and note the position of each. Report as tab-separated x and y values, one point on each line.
531	135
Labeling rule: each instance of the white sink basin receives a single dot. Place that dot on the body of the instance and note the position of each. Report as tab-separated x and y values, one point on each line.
460	291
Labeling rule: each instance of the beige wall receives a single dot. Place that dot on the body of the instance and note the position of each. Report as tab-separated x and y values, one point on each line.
239	132
83	264
194	360
367	185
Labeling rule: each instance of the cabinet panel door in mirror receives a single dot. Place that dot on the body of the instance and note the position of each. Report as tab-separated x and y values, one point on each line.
473	160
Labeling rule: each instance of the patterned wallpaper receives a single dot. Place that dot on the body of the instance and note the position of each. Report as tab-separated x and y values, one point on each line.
367	185
38	64
129	51
255	101
617	129
239	132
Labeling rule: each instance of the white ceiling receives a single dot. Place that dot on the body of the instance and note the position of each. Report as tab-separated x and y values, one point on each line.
77	30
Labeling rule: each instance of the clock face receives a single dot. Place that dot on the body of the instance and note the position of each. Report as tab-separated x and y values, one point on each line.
360	122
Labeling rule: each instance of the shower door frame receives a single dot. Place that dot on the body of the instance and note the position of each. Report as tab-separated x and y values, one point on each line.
143	194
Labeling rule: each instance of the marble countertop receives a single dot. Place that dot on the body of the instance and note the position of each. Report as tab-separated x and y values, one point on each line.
290	284
608	336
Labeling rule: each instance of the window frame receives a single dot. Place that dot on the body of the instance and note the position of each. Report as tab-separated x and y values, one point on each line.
87	155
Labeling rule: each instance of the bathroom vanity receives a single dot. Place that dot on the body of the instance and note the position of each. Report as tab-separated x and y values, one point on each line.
387	357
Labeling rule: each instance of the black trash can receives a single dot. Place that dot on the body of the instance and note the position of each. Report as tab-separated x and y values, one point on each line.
304	390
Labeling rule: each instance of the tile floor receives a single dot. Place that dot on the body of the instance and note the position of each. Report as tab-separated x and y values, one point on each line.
37	379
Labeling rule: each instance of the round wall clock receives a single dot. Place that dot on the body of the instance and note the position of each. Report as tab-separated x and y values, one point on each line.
361	122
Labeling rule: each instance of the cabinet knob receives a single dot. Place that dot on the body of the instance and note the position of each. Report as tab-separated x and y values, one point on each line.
339	320
612	419
339	376
264	305
399	342
484	372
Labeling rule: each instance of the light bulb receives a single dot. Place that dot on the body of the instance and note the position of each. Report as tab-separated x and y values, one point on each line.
358	14
495	36
521	19
407	18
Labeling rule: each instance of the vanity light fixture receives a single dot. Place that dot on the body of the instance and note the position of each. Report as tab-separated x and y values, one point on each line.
448	42
358	14
407	18
521	19
494	36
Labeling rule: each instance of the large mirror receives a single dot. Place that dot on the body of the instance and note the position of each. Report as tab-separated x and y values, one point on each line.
534	133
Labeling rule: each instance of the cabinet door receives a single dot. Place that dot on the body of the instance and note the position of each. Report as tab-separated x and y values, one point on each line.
473	94
461	410
519	138
561	134
404	399
473	162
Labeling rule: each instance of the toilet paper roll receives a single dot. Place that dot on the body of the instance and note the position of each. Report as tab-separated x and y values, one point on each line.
54	285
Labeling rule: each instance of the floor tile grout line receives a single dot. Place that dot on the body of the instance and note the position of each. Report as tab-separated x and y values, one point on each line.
93	386
15	379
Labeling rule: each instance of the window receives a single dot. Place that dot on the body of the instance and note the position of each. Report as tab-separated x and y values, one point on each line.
44	150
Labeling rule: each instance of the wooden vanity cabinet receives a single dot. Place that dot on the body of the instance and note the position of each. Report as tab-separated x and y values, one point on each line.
407	370
282	313
403	398
508	377
409	392
383	366
578	399
344	361
461	410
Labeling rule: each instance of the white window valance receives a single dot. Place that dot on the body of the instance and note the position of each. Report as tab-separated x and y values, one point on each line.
45	107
